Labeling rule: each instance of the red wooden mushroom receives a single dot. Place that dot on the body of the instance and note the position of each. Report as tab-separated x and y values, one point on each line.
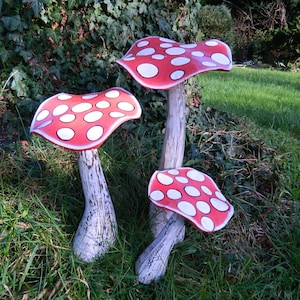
82	123
191	194
161	63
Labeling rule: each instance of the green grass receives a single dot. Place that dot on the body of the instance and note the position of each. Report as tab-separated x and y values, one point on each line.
255	257
270	102
269	98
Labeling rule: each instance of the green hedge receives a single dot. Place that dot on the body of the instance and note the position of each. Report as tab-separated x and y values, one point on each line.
52	46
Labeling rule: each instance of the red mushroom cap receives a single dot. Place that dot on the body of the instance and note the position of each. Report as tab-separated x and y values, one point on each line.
160	63
191	194
82	122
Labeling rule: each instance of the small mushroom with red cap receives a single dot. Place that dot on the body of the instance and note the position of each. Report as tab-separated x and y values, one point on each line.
164	64
82	123
190	194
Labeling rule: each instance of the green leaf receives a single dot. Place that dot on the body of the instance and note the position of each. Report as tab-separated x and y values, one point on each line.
4	54
14	23
36	6
72	4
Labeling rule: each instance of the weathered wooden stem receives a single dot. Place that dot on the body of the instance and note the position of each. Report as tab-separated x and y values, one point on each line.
167	227
152	263
98	227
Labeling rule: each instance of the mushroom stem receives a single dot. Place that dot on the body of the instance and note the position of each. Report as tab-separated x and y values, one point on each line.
151	265
98	227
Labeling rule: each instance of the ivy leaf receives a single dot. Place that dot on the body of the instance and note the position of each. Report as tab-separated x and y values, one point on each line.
18	83
36	6
72	4
4	54
13	23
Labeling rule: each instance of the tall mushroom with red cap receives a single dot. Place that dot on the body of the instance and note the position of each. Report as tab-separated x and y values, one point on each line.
164	64
82	123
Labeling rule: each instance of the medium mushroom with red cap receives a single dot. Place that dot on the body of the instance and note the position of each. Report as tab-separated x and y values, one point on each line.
164	64
82	123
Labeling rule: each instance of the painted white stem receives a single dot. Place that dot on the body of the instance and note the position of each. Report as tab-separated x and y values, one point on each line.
98	227
167	227
152	263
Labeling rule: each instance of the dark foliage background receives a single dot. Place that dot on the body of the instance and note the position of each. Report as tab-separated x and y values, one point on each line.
51	46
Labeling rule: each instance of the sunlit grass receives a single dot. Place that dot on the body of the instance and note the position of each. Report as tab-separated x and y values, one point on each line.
270	101
269	98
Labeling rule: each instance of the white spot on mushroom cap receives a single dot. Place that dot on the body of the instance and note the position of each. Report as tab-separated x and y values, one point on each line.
181	179
129	57
103	104
177	74
220	196
206	190
187	208
189	46
166	40
203	207
158	56
112	94
197	53
208	64
89	96
165	45
157	195
219	205
43	115
147	70
64	96
180	61
65	134
81	107
116	114
142	44
67	118
207	223
192	191
60	109
146	51
195	175
220	58
164	179
44	124
94	133
173	172
211	43
125	106
93	116
175	51
174	194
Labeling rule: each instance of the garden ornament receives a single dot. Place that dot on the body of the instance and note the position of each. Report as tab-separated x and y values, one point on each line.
82	123
191	194
164	64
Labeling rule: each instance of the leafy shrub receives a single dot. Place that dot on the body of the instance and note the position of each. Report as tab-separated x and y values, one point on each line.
51	46
283	45
267	30
215	21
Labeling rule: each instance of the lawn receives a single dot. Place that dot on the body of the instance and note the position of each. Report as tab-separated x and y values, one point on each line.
245	135
270	98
